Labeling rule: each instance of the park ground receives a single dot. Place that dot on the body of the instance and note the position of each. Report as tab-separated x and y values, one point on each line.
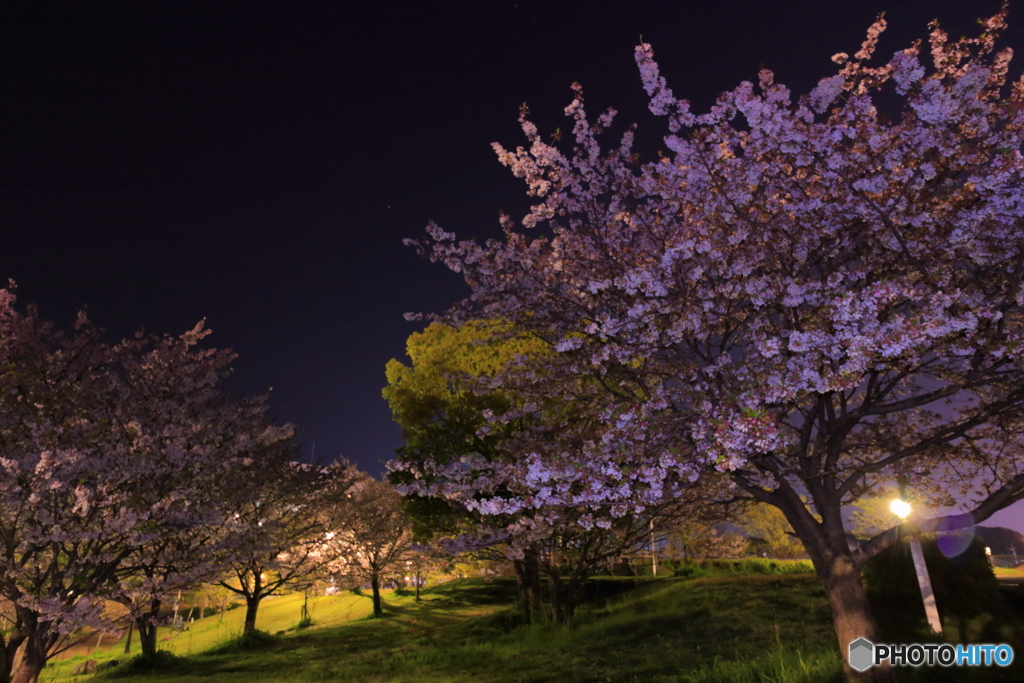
712	626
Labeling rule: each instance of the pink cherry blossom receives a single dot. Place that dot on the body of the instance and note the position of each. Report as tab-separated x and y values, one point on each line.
807	296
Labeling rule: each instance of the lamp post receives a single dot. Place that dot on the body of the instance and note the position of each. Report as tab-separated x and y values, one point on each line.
654	555
901	509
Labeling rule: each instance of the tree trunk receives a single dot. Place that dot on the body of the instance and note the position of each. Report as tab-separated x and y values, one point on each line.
522	599
9	654
40	638
533	591
128	640
147	625
572	595
378	612
826	542
851	613
555	596
34	658
147	634
528	597
375	585
252	603
31	667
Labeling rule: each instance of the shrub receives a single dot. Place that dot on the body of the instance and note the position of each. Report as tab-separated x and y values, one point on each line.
752	565
690	571
162	660
247	642
965	589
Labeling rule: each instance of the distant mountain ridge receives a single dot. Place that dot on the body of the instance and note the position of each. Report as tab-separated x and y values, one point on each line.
1001	540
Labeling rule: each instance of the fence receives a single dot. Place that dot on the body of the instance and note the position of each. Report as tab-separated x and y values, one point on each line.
1007	561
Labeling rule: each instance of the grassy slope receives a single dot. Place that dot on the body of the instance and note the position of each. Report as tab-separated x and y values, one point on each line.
652	630
1015	572
277	613
721	628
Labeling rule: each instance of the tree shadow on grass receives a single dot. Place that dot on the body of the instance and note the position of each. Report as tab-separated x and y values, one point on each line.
475	591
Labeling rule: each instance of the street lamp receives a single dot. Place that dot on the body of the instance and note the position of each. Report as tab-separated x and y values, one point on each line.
901	509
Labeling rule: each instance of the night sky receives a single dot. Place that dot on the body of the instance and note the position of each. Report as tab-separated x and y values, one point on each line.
258	164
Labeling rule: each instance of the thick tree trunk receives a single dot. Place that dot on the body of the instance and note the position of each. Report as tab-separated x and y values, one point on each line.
147	625
572	595
851	612
826	543
6	662
252	603
147	635
35	655
528	593
29	670
39	640
378	612
522	603
533	590
9	654
555	596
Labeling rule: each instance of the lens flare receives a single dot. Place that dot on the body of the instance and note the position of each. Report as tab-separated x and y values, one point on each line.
955	534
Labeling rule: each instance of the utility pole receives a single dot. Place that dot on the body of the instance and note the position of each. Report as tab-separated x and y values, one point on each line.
901	509
654	555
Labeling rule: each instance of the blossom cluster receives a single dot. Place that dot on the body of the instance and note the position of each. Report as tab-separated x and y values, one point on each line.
120	463
753	303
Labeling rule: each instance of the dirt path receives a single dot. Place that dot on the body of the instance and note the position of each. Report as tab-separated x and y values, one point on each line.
86	645
1010	580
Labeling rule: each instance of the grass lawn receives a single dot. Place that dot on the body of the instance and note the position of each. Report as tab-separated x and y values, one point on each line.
276	613
725	628
1009	572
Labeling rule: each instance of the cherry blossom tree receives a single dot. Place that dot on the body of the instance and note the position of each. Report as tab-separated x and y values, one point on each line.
806	295
212	450
280	539
462	475
190	546
372	534
66	519
106	450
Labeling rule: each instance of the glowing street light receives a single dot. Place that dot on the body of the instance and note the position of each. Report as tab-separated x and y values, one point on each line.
901	509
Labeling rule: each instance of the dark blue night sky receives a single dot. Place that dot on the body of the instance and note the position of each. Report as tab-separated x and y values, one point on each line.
259	163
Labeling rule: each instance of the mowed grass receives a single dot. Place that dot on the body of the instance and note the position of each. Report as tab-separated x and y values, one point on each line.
735	628
1009	572
725	628
276	613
